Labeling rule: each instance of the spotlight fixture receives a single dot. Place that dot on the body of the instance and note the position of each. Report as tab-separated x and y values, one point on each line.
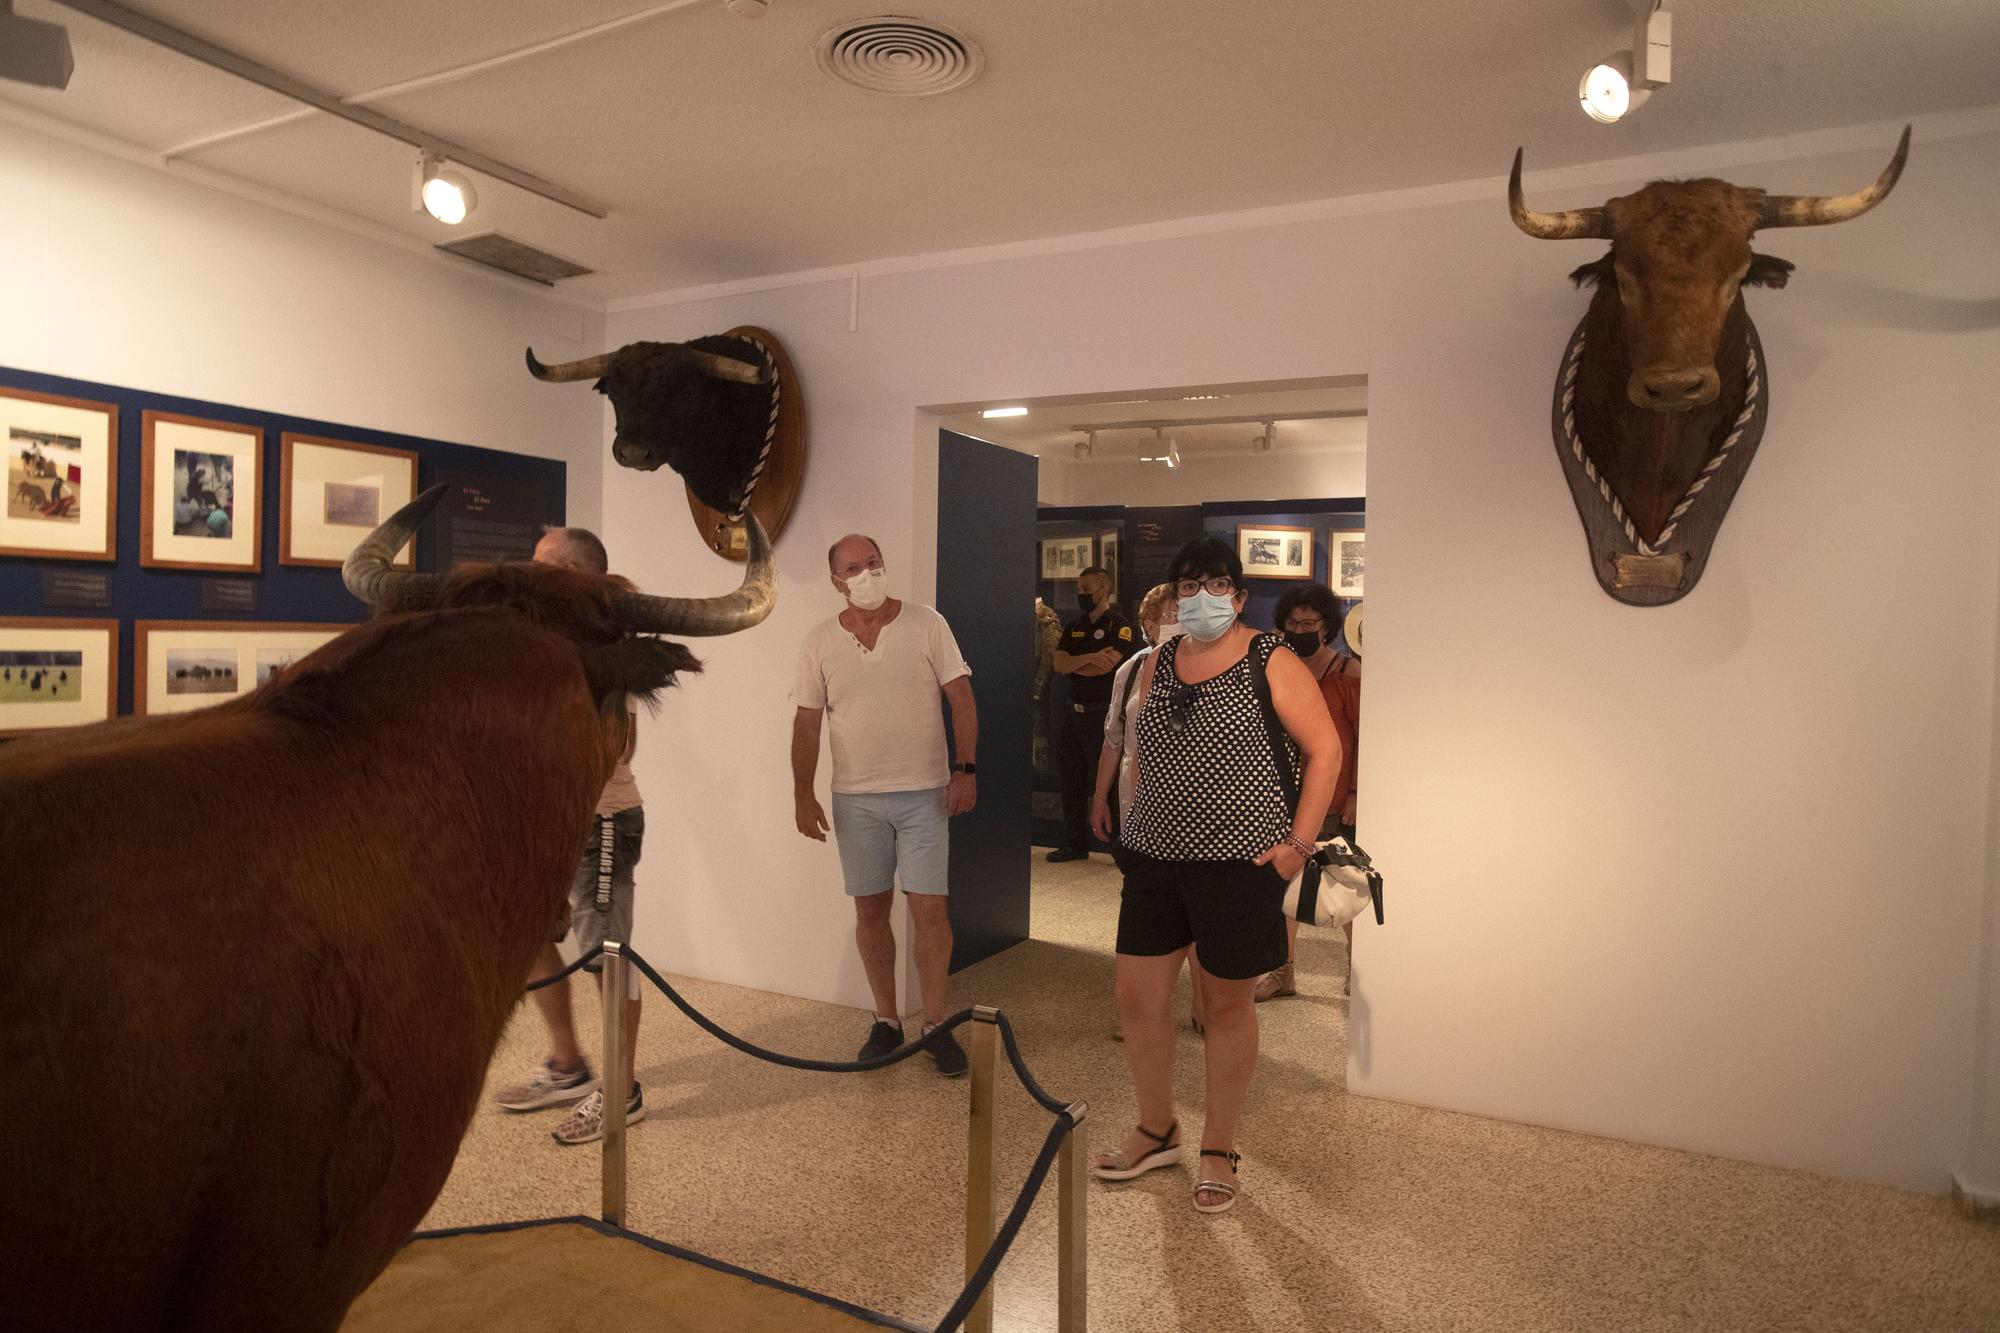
1159	454
32	51
1086	446
1004	412
442	192
1623	80
1262	444
1173	452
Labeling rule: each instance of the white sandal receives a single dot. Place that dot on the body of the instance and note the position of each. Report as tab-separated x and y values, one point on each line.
1226	1188
1121	1167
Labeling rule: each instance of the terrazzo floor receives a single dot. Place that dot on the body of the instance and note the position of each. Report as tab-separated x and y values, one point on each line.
1357	1214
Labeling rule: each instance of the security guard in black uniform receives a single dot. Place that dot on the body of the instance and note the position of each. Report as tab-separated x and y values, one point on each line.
1092	648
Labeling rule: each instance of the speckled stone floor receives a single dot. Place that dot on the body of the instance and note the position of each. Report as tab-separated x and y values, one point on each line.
1357	1214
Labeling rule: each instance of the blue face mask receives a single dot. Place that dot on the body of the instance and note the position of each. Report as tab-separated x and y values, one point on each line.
1206	616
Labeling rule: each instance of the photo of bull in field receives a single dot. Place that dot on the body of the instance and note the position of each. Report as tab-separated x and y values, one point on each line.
239	1079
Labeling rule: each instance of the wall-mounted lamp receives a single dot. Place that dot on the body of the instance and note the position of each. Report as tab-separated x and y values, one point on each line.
1623	80
444	193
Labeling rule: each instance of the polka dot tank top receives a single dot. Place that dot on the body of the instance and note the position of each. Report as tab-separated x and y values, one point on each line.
1208	785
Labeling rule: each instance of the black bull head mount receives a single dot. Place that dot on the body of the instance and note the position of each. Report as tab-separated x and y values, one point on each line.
1662	394
726	411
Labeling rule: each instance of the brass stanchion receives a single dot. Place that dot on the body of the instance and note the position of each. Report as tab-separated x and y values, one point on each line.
980	1163
617	1083
1072	1236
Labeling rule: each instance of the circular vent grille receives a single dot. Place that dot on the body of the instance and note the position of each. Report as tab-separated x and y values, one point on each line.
900	57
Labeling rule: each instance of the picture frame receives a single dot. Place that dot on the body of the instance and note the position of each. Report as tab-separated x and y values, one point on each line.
1344	561
1063	558
201	486
56	671
61	478
1275	552
333	493
179	666
1107	554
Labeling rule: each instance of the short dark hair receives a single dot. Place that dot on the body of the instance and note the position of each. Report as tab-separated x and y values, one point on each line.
580	549
864	537
1205	558
1314	597
1088	570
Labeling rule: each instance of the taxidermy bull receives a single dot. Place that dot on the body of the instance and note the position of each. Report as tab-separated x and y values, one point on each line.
1661	396
258	956
701	408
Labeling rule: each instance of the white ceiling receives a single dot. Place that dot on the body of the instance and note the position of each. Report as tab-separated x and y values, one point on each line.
1053	426
725	154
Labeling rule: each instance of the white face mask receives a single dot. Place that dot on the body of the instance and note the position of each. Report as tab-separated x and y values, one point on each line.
867	589
1168	631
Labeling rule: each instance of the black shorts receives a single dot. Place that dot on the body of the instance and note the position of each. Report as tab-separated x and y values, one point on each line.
1233	912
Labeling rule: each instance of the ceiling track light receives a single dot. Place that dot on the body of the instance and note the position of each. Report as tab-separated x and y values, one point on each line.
1622	81
32	51
1086	446
444	193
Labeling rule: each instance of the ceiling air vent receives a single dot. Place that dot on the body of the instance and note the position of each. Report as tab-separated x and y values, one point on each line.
900	57
516	257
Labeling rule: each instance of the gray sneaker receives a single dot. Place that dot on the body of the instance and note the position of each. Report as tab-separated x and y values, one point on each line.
548	1086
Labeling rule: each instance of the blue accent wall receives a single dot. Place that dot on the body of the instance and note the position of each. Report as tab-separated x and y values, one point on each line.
284	592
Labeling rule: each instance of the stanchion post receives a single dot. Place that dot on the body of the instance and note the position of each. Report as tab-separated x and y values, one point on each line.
980	1164
1072	1248
617	1078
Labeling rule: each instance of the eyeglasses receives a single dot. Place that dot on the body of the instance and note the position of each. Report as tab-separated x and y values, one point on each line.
1295	626
1219	586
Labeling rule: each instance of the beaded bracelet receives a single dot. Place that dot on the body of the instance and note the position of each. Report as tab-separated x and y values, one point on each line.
1300	845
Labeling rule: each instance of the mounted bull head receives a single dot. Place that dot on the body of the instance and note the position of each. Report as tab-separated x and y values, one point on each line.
700	408
1661	370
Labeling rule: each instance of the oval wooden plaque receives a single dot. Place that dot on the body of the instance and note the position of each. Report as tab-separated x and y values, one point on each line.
778	489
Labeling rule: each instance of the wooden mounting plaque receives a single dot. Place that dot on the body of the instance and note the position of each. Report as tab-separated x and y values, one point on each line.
784	473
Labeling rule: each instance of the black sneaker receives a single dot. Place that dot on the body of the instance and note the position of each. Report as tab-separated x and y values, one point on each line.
946	1052
1061	854
882	1039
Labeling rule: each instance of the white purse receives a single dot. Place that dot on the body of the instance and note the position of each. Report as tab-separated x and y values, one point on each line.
1337	884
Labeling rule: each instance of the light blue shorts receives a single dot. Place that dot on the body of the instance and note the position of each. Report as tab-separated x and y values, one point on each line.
882	832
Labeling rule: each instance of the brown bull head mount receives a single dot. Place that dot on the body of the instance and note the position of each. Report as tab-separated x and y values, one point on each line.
370	575
1663	393
725	411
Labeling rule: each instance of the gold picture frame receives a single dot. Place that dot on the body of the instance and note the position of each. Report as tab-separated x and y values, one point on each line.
56	671
61	479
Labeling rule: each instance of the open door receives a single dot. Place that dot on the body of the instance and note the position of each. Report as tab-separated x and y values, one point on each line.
986	592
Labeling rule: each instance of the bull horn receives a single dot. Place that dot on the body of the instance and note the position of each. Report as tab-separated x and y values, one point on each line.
1814	210
589	368
724	367
369	573
1575	224
698	617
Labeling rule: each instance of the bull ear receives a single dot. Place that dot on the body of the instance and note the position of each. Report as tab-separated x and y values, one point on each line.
1593	274
1768	271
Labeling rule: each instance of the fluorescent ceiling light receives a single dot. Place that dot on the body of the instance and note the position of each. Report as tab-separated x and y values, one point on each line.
1005	412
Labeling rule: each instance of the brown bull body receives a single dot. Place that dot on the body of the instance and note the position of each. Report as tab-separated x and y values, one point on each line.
258	956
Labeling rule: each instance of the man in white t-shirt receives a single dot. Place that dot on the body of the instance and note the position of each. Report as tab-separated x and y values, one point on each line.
874	672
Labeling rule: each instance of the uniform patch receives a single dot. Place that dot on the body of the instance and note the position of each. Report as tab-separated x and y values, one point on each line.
1125	633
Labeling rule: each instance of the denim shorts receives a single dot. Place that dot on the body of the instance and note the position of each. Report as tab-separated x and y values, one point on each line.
881	833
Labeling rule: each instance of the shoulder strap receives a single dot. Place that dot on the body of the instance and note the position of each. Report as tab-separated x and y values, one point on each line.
1260	652
1131	681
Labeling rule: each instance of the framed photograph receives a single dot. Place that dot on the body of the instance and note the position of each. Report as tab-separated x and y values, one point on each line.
182	665
1344	552
200	486
1066	557
1107	554
56	672
62	477
1275	553
334	493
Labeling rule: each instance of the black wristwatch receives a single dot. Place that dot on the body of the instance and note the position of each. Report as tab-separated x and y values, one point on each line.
967	769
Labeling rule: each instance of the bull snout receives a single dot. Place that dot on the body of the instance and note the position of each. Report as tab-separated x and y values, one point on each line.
635	456
1673	389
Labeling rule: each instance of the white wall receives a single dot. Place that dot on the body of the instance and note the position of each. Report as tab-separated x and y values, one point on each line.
118	273
1710	875
1275	476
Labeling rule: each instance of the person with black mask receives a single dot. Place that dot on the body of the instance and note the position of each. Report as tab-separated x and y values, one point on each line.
1309	618
1093	647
